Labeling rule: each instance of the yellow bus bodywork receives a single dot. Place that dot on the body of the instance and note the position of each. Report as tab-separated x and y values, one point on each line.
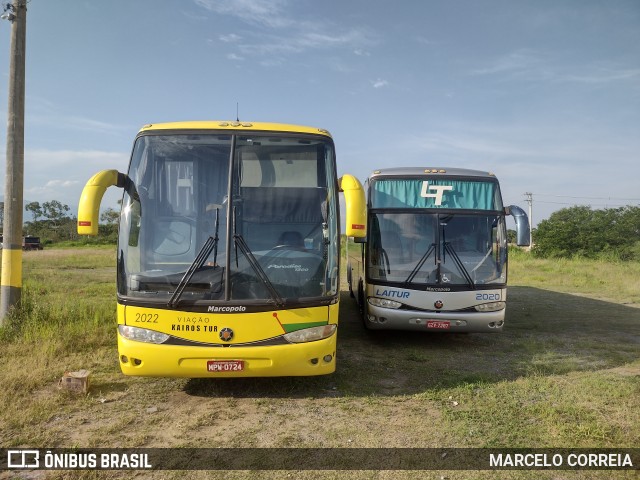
168	360
258	339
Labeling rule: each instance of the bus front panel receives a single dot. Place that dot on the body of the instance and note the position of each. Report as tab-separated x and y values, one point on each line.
435	310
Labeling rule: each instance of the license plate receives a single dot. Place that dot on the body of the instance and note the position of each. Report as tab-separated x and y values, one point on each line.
438	325
225	365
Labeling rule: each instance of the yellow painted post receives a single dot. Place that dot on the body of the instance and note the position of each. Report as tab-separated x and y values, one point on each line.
11	279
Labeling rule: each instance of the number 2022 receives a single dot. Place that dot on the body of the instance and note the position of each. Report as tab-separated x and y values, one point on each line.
147	317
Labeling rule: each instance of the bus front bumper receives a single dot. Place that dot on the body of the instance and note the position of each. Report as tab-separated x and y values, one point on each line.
296	359
378	318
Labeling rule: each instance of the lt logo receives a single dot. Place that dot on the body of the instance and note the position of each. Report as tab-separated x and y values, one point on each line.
439	189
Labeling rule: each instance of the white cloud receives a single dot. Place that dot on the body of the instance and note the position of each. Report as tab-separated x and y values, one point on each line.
379	83
70	122
191	16
516	144
516	63
54	159
280	33
61	174
269	13
61	183
272	62
301	39
230	38
603	75
537	66
42	112
425	41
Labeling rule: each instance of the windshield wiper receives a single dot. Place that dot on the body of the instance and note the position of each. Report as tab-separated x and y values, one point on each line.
210	245
456	259
420	263
246	251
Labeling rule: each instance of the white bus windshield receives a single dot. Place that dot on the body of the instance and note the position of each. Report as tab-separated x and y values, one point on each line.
443	250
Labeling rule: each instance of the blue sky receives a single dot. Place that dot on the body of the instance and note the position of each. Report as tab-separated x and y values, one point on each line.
546	94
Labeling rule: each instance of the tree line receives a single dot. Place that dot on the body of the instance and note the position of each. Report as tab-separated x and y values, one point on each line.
578	231
612	233
53	222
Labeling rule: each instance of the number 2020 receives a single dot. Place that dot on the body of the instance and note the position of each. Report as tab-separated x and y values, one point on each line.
487	296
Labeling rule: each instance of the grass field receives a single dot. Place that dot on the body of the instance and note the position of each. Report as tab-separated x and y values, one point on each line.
564	373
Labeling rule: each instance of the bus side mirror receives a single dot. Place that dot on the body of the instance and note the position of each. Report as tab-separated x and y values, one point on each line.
523	231
356	207
92	193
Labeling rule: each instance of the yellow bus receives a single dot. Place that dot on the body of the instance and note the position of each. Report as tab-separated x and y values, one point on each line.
228	255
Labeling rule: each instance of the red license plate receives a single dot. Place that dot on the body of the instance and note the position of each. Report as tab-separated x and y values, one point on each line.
438	325
225	365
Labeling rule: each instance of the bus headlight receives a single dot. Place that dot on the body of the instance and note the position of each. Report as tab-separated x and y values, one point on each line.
142	334
310	334
490	307
383	302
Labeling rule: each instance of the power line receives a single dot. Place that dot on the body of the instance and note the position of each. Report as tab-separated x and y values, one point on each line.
589	198
529	200
590	204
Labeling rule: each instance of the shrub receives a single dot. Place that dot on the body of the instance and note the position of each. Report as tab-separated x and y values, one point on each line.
580	231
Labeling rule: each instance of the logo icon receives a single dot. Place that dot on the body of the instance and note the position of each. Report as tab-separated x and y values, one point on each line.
439	189
438	304
226	334
23	459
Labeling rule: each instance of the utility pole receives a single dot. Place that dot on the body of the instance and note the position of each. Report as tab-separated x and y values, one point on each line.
530	202
11	281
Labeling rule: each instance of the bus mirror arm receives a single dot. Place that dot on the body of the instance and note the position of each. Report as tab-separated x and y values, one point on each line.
355	208
523	231
92	193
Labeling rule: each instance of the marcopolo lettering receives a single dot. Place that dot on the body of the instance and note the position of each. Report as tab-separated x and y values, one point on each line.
294	266
392	293
438	289
230	309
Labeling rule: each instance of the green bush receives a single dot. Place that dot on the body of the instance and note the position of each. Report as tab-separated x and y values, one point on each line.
579	231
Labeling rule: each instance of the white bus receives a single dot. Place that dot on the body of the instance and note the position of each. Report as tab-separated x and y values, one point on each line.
435	255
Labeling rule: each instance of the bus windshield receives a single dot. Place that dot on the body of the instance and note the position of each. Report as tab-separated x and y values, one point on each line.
219	217
437	249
